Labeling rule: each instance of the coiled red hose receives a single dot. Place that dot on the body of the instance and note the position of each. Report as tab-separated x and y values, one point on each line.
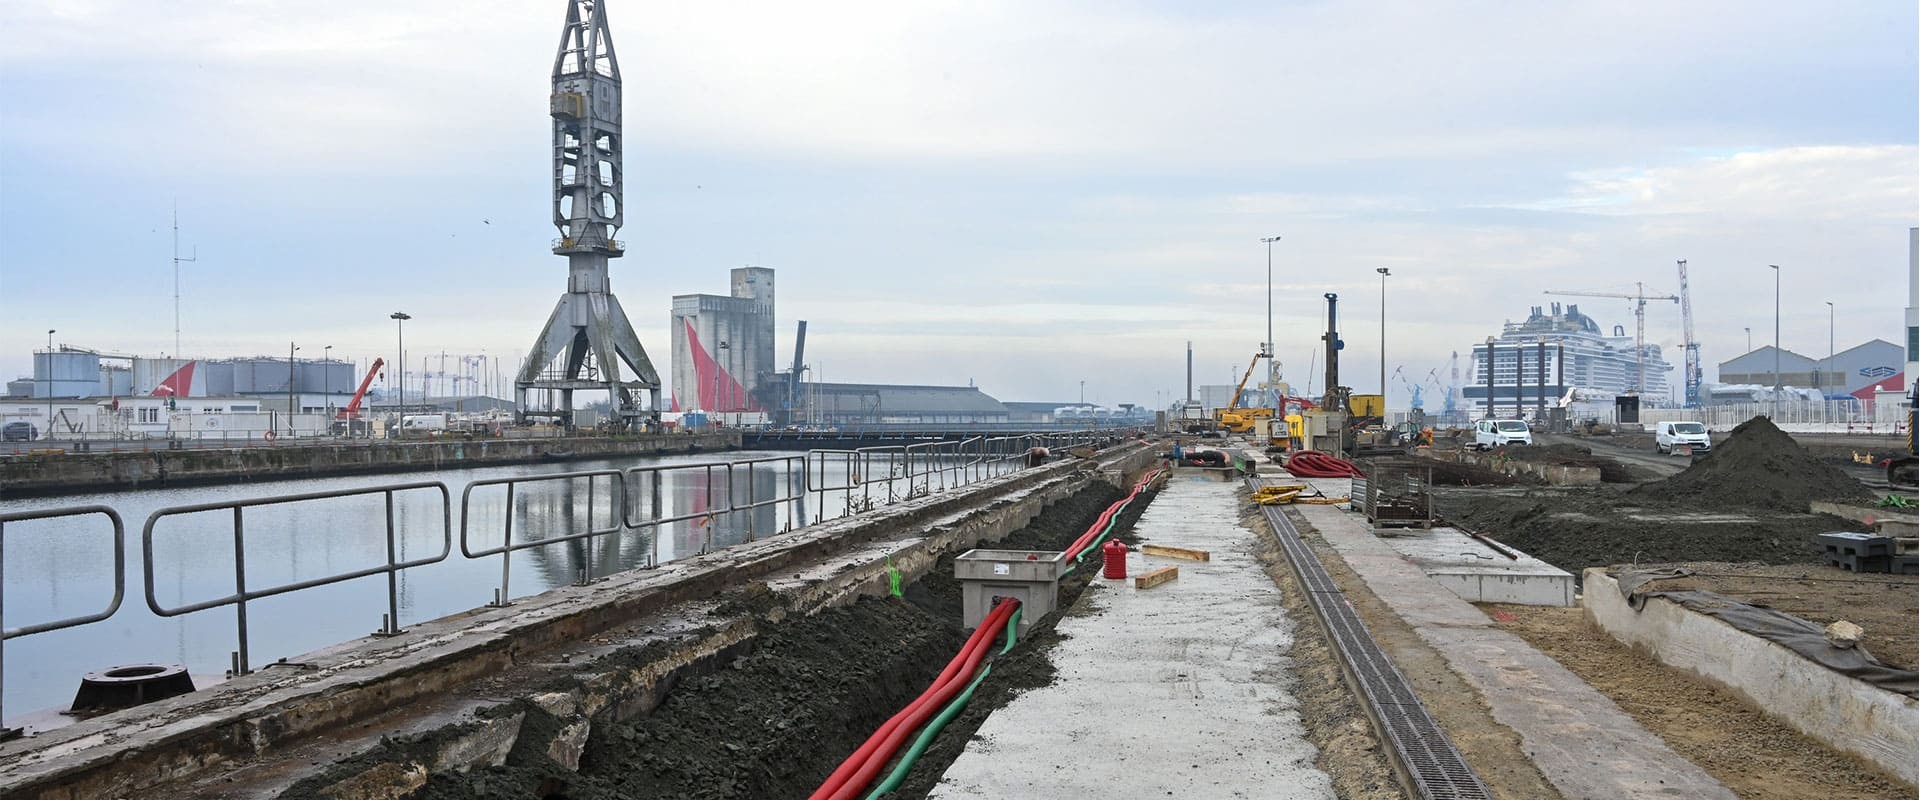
1316	464
859	769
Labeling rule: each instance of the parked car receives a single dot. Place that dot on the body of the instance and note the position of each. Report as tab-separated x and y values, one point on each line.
1692	434
19	432
1492	433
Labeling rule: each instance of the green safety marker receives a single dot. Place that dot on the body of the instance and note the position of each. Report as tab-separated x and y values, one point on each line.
893	579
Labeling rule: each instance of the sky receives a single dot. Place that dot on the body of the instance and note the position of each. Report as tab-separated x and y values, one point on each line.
1025	195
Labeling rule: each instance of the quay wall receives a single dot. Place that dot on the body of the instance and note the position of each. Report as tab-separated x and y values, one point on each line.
90	472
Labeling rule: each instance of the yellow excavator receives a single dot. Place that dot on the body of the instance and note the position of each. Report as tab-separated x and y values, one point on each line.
1235	419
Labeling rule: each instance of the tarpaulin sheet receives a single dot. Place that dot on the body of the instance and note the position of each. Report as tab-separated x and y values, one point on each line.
1787	630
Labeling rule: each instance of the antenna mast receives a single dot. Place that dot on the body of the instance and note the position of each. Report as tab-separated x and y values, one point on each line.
176	276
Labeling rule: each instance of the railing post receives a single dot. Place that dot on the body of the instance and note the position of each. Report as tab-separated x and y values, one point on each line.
586	552
506	556
241	664
392	625
752	511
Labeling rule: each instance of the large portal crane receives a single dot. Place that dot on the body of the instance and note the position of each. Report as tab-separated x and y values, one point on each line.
1692	374
1640	298
588	335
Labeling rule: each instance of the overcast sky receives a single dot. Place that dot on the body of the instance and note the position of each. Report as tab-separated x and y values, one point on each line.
1025	194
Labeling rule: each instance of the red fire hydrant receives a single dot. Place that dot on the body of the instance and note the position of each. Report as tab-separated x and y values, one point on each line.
1113	560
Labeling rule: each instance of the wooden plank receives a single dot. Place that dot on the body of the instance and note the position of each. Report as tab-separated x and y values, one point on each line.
1156	577
1176	552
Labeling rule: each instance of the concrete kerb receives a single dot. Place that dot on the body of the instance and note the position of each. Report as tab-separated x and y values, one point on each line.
123	752
1845	713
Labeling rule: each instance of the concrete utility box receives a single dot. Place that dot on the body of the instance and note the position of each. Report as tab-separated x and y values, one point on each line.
1030	576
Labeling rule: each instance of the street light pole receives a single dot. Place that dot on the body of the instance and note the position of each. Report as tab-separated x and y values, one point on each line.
1383	339
49	384
1776	340
1826	375
1267	349
1749	340
400	366
291	408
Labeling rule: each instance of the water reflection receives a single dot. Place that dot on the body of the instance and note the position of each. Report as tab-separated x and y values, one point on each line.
672	508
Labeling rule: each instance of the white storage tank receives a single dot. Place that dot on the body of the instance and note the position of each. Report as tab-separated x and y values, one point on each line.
66	373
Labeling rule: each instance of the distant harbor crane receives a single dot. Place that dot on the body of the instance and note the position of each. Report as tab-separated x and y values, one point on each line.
1640	298
1692	373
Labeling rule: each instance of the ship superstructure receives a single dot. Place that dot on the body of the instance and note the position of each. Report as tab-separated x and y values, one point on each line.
1557	348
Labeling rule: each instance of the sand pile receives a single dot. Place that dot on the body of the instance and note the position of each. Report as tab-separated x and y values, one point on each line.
1756	467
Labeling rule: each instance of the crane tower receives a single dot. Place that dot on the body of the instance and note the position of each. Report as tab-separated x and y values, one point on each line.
1692	373
588	339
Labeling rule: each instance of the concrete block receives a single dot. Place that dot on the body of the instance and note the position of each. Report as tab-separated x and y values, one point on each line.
484	745
568	745
1850	715
386	781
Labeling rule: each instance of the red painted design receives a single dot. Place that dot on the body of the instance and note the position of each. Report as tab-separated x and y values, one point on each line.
717	390
179	384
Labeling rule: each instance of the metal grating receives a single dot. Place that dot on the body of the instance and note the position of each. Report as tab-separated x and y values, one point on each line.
1420	749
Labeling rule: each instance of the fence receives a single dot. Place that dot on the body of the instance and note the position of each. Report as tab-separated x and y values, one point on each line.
1832	416
119	586
242	594
617	503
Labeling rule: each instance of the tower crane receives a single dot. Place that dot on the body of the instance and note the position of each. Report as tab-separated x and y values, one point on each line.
1692	368
1640	298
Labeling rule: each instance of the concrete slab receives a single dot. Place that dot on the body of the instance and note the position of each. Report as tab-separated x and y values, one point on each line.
1478	573
1183	690
1580	741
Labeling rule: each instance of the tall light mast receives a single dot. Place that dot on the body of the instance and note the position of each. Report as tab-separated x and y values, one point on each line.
588	337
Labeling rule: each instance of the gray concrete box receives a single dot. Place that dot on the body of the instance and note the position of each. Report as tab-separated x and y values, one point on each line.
1030	576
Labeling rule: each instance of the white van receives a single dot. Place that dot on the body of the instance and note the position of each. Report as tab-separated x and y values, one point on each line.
1492	433
423	422
1692	434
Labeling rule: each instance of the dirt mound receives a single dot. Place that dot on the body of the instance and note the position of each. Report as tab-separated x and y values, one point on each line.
1576	529
1757	466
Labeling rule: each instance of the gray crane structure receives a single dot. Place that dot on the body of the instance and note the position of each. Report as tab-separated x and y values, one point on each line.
588	339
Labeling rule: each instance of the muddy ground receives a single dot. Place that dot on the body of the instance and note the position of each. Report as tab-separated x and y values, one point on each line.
1886	606
1574	455
782	717
1754	756
1747	502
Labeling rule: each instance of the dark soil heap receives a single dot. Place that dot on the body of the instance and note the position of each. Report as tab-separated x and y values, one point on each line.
1757	466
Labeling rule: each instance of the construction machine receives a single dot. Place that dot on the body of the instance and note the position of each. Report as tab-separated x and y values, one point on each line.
1903	472
1235	419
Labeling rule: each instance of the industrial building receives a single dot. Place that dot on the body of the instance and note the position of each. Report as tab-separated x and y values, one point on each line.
1533	363
852	405
1856	372
723	352
72	372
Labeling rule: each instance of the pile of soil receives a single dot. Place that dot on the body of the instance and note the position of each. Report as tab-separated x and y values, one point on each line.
1576	529
1443	473
1757	466
781	718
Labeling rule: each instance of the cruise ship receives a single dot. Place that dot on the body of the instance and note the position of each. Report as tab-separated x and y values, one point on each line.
1527	373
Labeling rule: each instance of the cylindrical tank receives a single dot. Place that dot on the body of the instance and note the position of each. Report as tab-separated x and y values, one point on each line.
116	381
217	378
66	373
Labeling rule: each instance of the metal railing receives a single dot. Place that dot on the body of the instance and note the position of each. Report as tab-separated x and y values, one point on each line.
616	492
633	501
119	584
243	594
651	514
